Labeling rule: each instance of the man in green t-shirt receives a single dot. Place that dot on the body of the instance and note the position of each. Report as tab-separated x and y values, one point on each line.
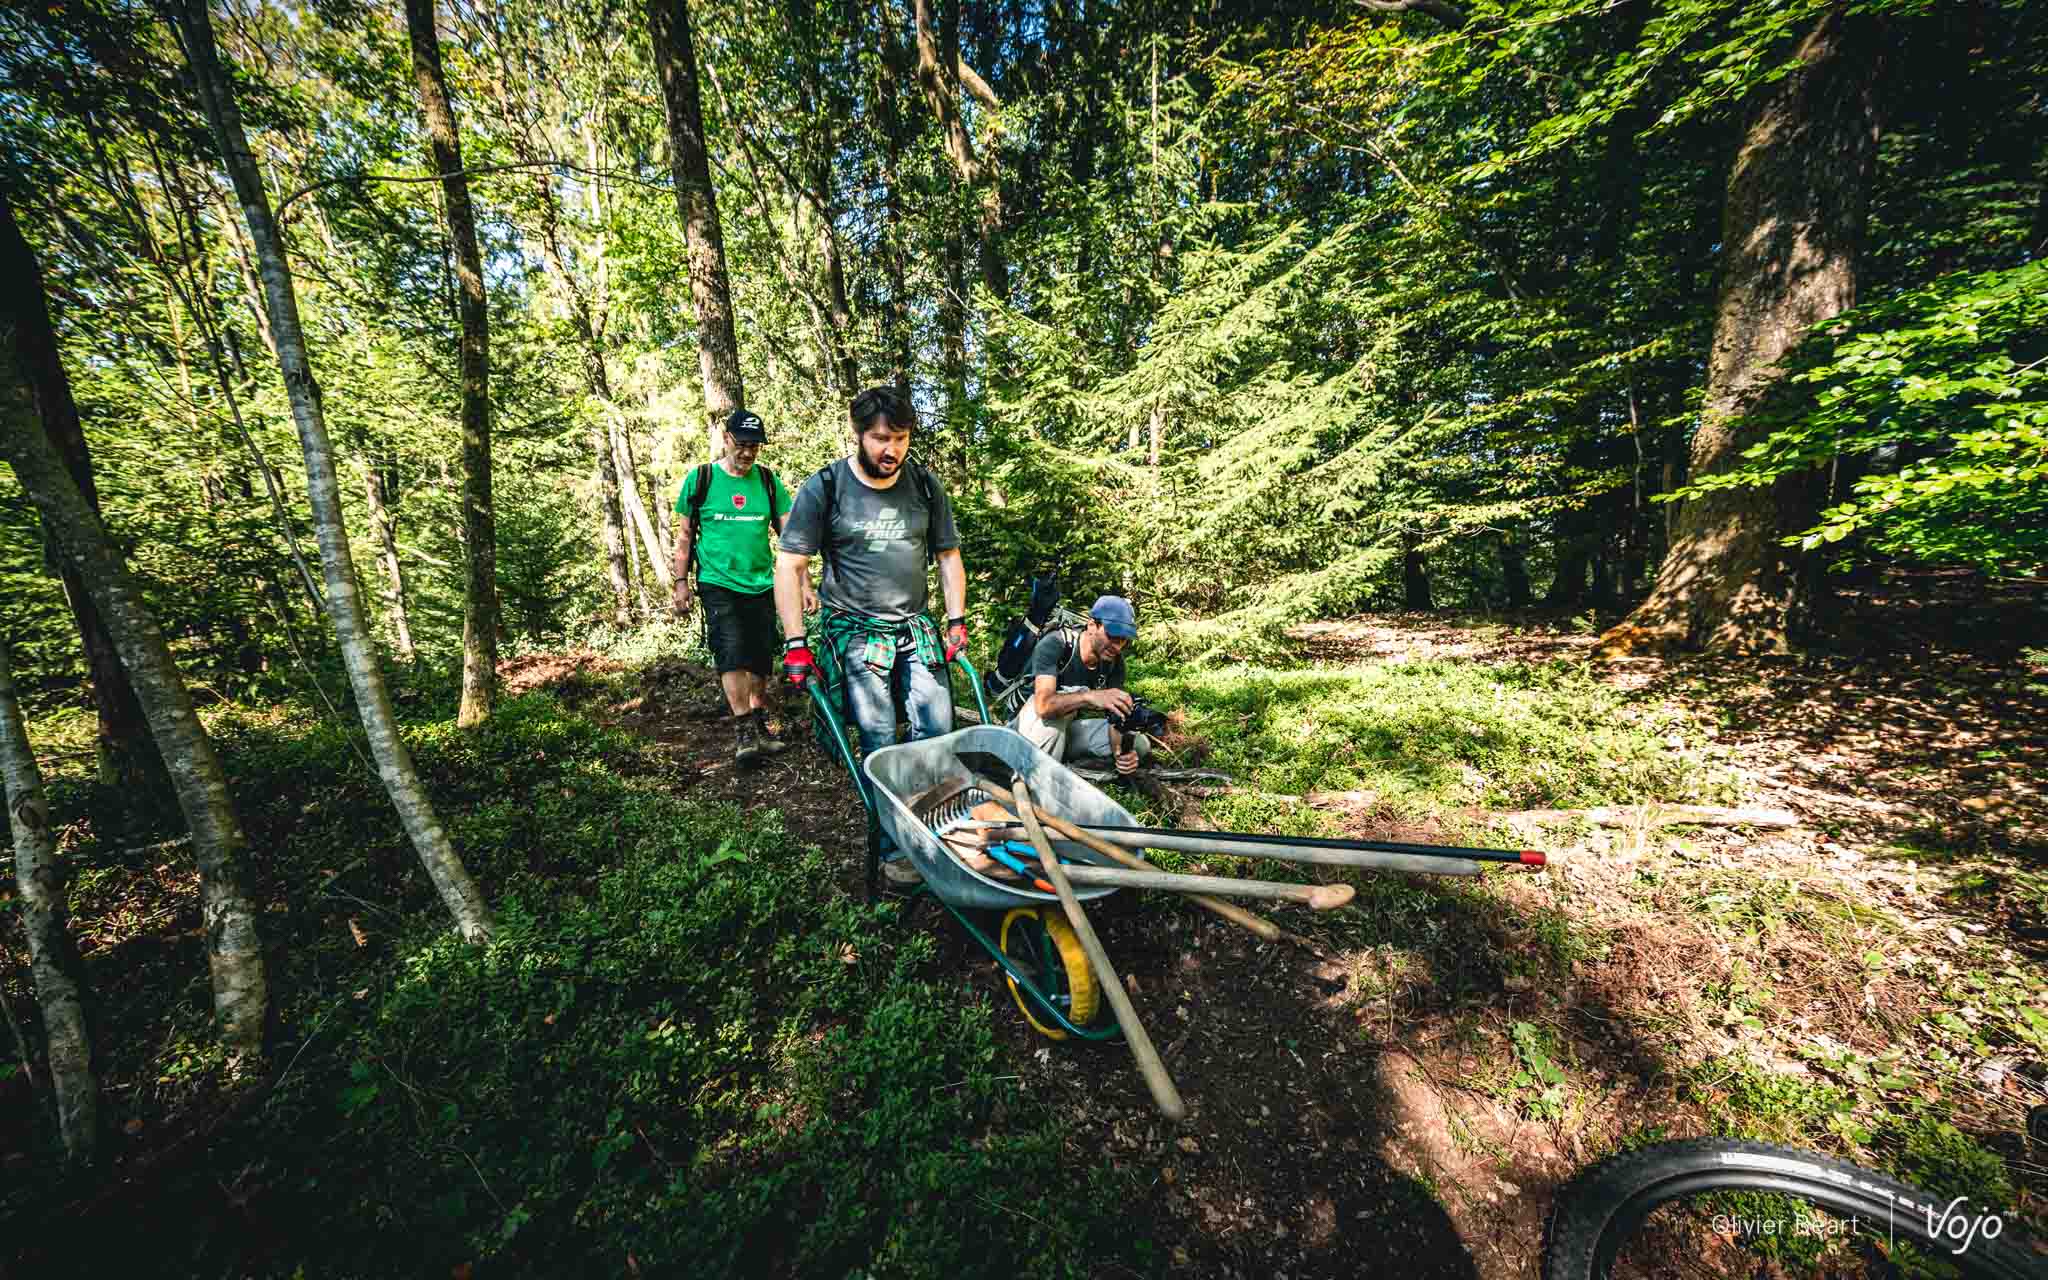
731	511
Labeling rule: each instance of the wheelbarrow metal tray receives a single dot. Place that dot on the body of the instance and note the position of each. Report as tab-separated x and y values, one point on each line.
895	774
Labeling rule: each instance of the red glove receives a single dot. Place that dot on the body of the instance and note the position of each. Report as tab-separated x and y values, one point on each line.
956	637
797	663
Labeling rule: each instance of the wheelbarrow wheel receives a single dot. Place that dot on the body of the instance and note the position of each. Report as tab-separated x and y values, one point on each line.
1042	942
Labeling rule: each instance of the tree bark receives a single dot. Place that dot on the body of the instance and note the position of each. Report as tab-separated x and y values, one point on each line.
479	525
939	75
380	494
896	312
53	957
1415	592
234	951
127	757
1792	233
718	352
1568	584
636	506
1514	567
344	603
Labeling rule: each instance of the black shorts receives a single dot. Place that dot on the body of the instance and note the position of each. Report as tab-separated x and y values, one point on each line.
740	629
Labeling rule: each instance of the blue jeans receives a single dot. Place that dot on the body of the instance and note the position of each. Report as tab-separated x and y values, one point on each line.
871	698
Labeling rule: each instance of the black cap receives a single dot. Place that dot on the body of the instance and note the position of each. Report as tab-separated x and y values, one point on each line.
746	427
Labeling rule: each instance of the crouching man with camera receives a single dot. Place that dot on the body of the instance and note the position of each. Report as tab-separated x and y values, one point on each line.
1072	678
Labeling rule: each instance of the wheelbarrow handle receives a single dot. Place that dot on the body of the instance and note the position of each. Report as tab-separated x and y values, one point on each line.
1164	1095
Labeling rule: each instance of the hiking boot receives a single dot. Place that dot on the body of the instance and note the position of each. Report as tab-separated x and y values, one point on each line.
746	740
901	870
770	744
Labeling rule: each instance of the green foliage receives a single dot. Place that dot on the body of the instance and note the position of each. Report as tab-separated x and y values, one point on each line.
1949	380
1430	734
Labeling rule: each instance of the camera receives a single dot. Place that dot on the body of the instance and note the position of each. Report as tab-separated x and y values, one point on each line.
1142	718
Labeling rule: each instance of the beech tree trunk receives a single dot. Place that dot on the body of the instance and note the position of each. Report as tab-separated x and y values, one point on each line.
127	757
1792	232
53	957
636	506
344	603
479	525
718	351
228	915
380	493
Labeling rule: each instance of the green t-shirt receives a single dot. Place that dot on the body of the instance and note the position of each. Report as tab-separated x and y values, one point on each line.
736	549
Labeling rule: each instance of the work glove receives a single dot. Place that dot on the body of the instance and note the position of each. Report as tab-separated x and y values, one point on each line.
797	663
956	637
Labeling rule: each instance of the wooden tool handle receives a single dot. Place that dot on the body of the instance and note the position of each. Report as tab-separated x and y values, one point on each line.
1237	915
1320	897
1164	1095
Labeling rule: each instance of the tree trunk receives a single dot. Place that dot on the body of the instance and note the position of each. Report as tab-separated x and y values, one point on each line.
373	699
1792	232
1514	567
938	74
614	525
1414	576
479	525
380	492
53	958
636	506
896	312
1568	586
718	352
127	757
598	382
234	952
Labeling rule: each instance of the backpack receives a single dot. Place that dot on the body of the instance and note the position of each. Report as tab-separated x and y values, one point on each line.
925	488
697	508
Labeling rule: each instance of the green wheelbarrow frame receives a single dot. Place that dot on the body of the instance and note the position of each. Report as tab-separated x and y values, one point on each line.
831	728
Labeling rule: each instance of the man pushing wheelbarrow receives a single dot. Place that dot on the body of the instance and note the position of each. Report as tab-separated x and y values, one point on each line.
879	519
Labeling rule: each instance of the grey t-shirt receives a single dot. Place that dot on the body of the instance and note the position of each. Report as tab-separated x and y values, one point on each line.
1053	657
877	564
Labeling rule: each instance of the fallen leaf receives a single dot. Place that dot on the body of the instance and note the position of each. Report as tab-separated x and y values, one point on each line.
356	931
1190	1146
132	1128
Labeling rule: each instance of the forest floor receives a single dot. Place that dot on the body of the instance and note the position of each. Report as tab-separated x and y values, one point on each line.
1409	1094
1389	1096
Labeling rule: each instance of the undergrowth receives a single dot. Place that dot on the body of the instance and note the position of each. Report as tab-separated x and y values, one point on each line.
683	1053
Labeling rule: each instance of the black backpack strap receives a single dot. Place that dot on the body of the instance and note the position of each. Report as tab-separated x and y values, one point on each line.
927	490
768	483
703	489
830	482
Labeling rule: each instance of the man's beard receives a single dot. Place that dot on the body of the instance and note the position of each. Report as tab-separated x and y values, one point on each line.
867	466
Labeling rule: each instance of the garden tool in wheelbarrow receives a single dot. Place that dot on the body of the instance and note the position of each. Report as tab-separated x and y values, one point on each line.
1377	855
965	818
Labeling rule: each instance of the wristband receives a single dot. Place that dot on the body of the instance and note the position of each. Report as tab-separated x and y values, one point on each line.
959	621
795	642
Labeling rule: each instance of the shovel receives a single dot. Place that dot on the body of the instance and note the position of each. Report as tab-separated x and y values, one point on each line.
1164	1095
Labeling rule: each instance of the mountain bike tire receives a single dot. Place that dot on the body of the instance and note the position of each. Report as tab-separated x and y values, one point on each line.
1600	1214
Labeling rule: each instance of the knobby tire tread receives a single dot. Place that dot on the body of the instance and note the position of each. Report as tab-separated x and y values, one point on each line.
1596	1204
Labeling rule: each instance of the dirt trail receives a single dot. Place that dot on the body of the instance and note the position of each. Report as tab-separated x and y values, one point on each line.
1358	1110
